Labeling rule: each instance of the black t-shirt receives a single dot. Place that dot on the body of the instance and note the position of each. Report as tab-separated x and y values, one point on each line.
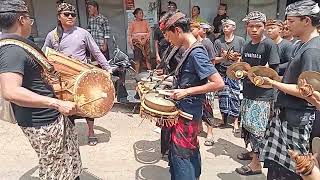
14	59
163	44
306	57
285	51
259	55
237	43
217	24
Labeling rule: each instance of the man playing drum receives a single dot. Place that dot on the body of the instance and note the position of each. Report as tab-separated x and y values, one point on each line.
36	110
195	75
74	41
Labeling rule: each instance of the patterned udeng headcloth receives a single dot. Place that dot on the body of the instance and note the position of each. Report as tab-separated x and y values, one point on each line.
303	8
66	7
165	23
13	6
255	16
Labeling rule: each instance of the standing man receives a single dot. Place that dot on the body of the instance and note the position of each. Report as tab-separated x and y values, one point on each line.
291	126
98	26
229	97
256	106
74	41
274	29
37	111
222	14
195	76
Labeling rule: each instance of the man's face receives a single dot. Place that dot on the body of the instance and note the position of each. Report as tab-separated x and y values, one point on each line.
286	32
296	25
222	10
92	10
26	25
228	28
172	8
67	18
273	31
255	29
175	36
195	31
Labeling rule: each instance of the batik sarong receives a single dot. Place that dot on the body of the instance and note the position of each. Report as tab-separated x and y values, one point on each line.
57	148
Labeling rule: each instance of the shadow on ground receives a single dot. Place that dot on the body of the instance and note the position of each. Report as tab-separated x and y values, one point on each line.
236	176
32	174
226	148
102	134
147	152
152	172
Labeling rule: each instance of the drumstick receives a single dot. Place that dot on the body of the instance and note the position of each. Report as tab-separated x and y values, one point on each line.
103	95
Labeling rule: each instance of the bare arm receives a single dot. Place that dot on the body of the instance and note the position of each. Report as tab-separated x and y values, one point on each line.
12	91
215	84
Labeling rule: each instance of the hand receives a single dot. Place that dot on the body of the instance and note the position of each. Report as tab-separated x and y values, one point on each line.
104	48
235	56
268	81
179	93
65	107
315	99
224	54
158	59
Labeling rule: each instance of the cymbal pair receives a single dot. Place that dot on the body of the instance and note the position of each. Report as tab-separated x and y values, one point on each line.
242	70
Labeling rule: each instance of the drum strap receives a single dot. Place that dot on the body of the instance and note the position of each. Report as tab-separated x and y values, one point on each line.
31	49
184	58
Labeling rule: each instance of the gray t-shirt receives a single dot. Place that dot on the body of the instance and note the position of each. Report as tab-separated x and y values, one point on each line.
237	43
305	57
284	50
259	55
209	47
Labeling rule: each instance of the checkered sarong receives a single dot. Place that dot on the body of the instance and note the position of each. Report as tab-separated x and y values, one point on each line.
281	136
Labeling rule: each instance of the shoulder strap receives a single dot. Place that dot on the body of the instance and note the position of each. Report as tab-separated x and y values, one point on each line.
31	49
186	55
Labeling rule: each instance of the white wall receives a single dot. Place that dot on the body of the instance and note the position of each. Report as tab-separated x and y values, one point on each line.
45	16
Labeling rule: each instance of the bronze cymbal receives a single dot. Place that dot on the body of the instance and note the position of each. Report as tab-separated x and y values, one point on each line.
308	82
256	74
312	78
238	70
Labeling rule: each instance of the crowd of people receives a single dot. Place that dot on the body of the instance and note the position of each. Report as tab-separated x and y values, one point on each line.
197	55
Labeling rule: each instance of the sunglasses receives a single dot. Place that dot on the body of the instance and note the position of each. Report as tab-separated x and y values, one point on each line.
67	14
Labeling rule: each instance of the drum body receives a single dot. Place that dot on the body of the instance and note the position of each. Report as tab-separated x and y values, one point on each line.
89	87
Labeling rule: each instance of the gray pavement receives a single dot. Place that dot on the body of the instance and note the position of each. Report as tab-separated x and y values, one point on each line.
129	149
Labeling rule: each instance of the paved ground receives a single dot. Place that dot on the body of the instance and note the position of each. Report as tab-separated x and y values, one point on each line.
128	149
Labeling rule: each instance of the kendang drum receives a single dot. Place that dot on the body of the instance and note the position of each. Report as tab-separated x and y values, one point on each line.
163	111
89	87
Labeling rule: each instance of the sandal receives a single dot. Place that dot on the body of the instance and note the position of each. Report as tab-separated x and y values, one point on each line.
247	171
244	156
92	141
209	142
236	131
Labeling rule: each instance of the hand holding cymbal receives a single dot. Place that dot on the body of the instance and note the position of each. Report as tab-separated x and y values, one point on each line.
238	70
262	76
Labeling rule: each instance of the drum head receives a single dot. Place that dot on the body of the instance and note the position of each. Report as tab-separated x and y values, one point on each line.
94	93
312	78
159	103
263	72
